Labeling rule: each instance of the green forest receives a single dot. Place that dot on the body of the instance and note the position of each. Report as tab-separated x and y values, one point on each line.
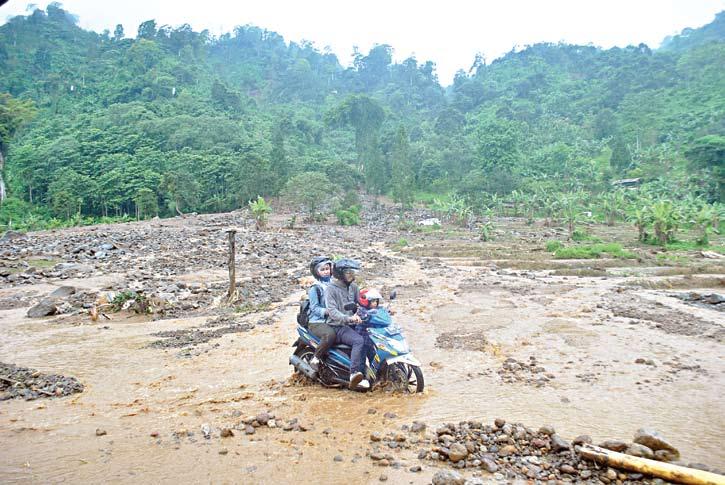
166	120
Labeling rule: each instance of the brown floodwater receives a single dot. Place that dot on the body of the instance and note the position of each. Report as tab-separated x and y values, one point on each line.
481	317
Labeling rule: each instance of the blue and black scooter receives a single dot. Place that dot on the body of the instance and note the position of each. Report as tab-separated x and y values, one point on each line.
389	359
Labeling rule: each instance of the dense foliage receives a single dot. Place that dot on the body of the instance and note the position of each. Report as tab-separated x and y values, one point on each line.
172	120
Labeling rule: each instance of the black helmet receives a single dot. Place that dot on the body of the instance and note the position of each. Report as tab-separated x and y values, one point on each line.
341	265
316	261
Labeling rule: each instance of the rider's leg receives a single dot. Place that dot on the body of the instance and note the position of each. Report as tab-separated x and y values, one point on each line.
326	334
348	336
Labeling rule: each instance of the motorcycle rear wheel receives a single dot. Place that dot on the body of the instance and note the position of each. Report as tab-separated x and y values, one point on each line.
405	378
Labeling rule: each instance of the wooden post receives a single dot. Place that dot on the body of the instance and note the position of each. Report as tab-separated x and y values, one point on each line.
232	234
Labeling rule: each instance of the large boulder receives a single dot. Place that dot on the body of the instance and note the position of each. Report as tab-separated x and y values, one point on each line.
62	292
654	441
44	308
12	236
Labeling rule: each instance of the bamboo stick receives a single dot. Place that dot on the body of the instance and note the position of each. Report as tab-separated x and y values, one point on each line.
667	471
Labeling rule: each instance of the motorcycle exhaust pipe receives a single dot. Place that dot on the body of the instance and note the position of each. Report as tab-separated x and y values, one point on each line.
302	366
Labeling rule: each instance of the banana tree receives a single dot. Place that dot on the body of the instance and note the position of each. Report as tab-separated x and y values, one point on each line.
665	220
570	205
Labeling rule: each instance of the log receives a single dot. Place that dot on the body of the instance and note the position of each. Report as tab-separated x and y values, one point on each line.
666	471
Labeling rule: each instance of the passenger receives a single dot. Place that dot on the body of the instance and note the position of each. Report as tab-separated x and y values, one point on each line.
342	291
321	268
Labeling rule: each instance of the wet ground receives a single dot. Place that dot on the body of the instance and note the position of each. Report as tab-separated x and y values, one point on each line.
599	347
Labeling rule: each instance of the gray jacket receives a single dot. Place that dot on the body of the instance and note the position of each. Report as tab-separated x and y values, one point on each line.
337	295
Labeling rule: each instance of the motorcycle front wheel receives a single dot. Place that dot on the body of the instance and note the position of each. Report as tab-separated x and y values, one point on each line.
405	378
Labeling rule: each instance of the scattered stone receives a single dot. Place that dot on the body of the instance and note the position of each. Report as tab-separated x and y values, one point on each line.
457	452
417	427
547	430
223	451
227	433
101	432
655	442
338	458
447	477
206	430
559	444
614	445
416	468
383	478
376	436
582	439
249	429
635	449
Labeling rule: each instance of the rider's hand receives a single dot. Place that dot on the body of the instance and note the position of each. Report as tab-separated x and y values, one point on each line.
355	319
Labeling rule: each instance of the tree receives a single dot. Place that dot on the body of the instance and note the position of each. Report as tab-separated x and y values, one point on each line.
498	144
13	114
310	190
146	203
183	188
708	153
402	170
366	116
620	159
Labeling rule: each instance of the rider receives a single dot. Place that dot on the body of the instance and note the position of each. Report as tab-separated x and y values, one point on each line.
321	268
342	291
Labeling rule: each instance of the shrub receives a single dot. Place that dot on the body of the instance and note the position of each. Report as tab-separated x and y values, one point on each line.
260	210
552	246
593	251
349	216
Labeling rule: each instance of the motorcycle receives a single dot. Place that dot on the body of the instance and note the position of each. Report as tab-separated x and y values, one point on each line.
390	361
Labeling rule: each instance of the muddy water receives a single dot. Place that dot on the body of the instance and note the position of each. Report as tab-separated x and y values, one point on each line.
482	317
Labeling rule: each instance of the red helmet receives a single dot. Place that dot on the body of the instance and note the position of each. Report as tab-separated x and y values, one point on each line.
368	295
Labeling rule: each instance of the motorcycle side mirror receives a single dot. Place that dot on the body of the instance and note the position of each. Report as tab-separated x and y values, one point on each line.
393	294
350	307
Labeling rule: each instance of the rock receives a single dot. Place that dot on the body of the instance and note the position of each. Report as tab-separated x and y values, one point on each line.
390	415
547	430
62	292
654	441
611	474
666	455
263	418
499	422
383	478
614	445
457	452
338	458
249	429
223	451
376	436
417	427
585	474
507	429
372	411
489	464
11	235
206	430
582	439
642	451
539	443
154	434
448	477
101	432
415	469
715	299
559	444
44	308
473	481
227	433
507	450
271	423
568	469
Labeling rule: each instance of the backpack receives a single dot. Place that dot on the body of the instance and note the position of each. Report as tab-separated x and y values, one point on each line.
303	316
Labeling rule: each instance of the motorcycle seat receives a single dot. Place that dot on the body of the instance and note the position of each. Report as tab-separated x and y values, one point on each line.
341	347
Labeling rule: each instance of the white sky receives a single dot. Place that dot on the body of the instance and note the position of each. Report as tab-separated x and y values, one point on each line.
448	32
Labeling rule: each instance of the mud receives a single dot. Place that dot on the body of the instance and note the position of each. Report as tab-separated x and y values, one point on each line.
501	330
